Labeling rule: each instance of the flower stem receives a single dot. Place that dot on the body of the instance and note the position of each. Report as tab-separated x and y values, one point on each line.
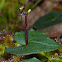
26	30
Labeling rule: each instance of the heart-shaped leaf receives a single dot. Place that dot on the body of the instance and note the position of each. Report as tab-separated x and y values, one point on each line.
38	42
50	19
20	37
32	60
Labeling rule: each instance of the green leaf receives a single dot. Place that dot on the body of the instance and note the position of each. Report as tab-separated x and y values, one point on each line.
20	37
38	42
32	60
50	19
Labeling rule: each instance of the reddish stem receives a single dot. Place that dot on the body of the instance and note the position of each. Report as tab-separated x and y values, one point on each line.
26	30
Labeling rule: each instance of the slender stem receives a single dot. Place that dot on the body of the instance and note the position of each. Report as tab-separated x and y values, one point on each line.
36	3
26	30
